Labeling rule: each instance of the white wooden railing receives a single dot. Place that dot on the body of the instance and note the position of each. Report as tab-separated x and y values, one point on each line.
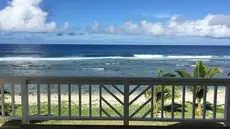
124	96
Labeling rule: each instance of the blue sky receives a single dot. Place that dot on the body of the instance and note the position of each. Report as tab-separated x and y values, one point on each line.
161	22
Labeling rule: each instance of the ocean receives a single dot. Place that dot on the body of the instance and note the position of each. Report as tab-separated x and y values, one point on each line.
107	60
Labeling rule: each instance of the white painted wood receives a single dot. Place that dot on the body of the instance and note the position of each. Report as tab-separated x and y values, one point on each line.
25	103
2	99
13	99
126	116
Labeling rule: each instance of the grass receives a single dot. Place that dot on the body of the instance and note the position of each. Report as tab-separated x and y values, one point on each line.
95	112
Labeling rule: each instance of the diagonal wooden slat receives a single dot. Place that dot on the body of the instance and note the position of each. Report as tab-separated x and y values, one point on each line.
139	95
113	95
141	107
149	111
134	89
119	90
114	109
106	113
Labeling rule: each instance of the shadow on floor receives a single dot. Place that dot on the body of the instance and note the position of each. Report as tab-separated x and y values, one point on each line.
184	125
15	124
177	126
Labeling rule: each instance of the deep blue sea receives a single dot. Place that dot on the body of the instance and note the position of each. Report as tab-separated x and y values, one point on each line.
107	60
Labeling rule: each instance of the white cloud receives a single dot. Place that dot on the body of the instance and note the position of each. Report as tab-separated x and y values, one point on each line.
213	26
110	29
96	27
25	15
152	28
66	25
132	28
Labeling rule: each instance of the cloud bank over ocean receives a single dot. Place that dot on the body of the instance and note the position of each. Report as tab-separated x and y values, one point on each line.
27	21
213	26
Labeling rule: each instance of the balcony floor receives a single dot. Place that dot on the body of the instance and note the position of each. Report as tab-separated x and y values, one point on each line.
117	127
175	126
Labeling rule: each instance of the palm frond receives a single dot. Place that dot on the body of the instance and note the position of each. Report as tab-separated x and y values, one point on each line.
183	73
200	70
213	71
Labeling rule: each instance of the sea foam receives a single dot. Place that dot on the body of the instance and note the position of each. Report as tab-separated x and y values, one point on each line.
134	57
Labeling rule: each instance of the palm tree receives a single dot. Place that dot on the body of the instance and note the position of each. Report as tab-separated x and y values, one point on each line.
158	90
200	71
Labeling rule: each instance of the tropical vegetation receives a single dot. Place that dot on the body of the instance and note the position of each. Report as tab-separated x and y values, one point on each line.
158	88
200	71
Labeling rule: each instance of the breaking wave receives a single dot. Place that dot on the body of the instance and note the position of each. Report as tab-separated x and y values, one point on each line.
134	57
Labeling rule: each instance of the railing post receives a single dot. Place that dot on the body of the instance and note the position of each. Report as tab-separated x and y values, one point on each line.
227	106
2	98
25	104
126	103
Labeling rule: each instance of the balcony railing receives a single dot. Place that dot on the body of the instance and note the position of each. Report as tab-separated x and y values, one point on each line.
113	98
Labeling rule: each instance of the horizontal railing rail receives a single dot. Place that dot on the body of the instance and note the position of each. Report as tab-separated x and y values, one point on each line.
115	98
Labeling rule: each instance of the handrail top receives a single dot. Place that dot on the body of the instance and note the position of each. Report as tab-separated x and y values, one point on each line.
113	79
109	77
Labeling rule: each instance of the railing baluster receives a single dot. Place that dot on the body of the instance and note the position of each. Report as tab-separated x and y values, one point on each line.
126	103
90	100
141	114
25	102
13	99
3	100
79	86
172	106
162	101
38	98
214	102
183	101
49	100
194	102
227	106
152	95
59	100
204	102
100	102
69	99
